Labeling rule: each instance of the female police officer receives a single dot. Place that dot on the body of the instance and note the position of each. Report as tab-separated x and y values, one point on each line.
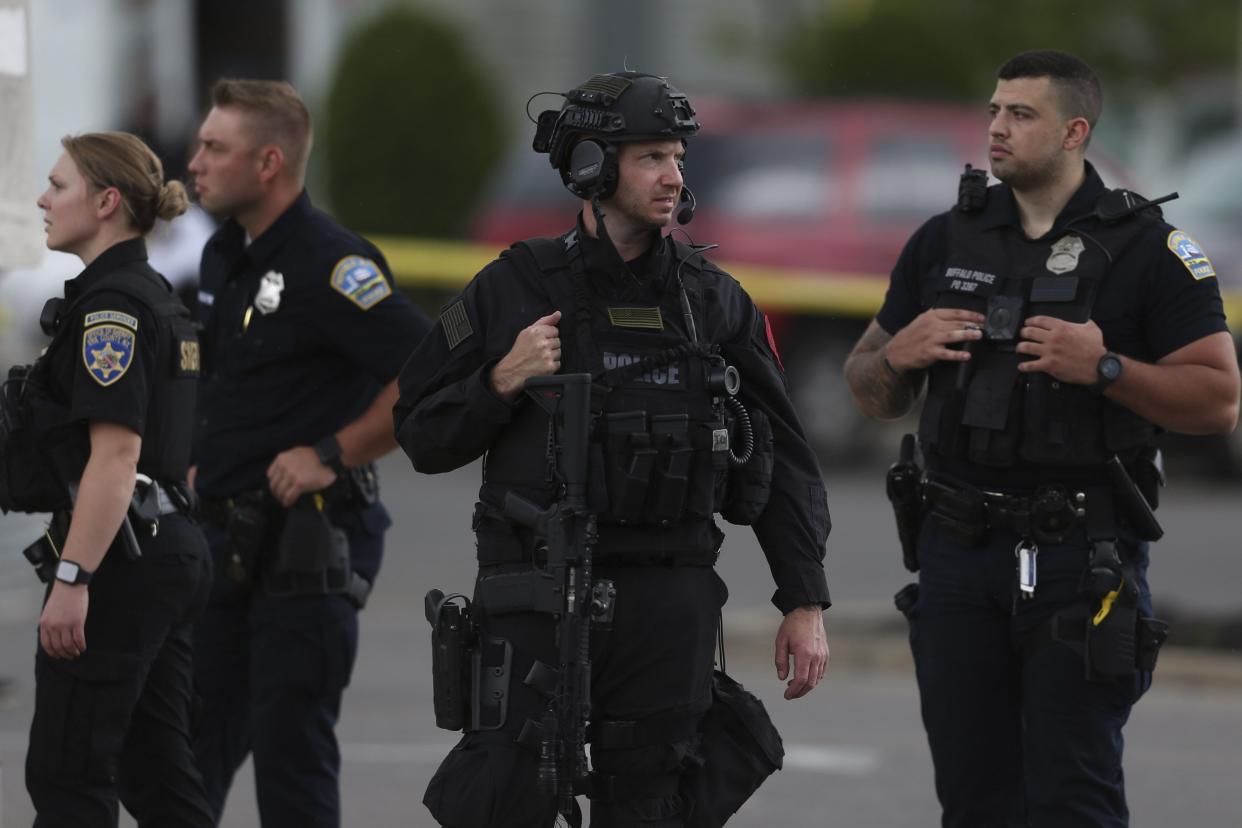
113	396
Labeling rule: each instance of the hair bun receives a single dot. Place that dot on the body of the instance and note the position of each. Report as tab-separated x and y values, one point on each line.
173	201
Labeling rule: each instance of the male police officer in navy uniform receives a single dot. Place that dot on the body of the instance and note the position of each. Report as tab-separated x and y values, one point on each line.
303	336
643	315
1059	327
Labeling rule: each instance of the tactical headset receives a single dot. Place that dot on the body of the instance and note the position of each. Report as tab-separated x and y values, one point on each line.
581	139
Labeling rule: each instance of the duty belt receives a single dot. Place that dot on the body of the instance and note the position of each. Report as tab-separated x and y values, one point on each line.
1048	514
216	511
356	487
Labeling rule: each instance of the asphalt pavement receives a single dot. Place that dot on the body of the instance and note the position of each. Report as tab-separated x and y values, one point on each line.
856	754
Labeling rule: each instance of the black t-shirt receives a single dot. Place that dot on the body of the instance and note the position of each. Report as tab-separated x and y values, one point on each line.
301	330
1160	294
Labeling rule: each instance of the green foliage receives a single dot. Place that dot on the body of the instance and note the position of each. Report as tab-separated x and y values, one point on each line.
952	48
413	127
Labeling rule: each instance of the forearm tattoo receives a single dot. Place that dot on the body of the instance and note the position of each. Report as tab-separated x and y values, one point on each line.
879	391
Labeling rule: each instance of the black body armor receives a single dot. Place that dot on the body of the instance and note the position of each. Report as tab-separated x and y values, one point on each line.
985	412
42	450
661	439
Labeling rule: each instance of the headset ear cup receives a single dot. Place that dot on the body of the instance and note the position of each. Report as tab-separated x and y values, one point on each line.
592	169
611	172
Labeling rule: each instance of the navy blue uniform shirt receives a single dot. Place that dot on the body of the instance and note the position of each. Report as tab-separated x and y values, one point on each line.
1150	305
301	329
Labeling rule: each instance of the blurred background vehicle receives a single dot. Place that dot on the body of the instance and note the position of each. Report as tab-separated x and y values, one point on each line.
810	203
829	131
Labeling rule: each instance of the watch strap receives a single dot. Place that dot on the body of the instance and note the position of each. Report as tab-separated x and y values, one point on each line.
328	450
70	572
1103	378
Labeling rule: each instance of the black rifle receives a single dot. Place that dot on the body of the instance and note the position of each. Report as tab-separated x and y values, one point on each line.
564	586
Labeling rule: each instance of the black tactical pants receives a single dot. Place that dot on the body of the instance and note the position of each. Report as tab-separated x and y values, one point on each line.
115	722
655	665
1019	738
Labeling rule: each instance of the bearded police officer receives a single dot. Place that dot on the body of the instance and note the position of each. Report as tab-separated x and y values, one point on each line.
303	337
1059	326
658	328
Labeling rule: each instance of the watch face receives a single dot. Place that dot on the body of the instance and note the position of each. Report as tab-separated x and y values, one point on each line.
1110	368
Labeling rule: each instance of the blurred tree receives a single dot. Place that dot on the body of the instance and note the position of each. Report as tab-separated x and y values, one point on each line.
413	129
952	48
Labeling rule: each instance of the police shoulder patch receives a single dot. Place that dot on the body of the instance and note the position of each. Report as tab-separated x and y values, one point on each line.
108	351
1192	256
360	281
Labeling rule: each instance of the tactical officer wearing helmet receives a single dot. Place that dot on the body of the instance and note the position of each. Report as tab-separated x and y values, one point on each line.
1059	327
663	333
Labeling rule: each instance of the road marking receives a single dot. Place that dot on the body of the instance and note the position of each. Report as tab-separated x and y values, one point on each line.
827	760
843	761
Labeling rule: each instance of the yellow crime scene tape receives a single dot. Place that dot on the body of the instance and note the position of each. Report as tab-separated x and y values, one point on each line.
449	265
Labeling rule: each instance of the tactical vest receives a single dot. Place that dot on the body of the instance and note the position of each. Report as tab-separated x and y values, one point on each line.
984	412
44	450
659	450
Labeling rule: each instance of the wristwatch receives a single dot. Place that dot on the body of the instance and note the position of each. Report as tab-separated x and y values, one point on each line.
328	450
1107	371
72	573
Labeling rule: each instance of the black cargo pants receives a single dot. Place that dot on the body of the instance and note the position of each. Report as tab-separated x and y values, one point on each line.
114	723
653	668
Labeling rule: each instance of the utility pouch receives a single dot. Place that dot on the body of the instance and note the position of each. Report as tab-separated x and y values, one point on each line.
363	485
1110	645
959	512
1149	475
1152	633
630	459
670	434
740	748
249	531
452	637
904	486
312	555
27	480
750	484
906	599
144	506
44	556
490	663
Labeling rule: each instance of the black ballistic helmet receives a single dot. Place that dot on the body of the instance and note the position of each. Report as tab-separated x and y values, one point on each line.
581	138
